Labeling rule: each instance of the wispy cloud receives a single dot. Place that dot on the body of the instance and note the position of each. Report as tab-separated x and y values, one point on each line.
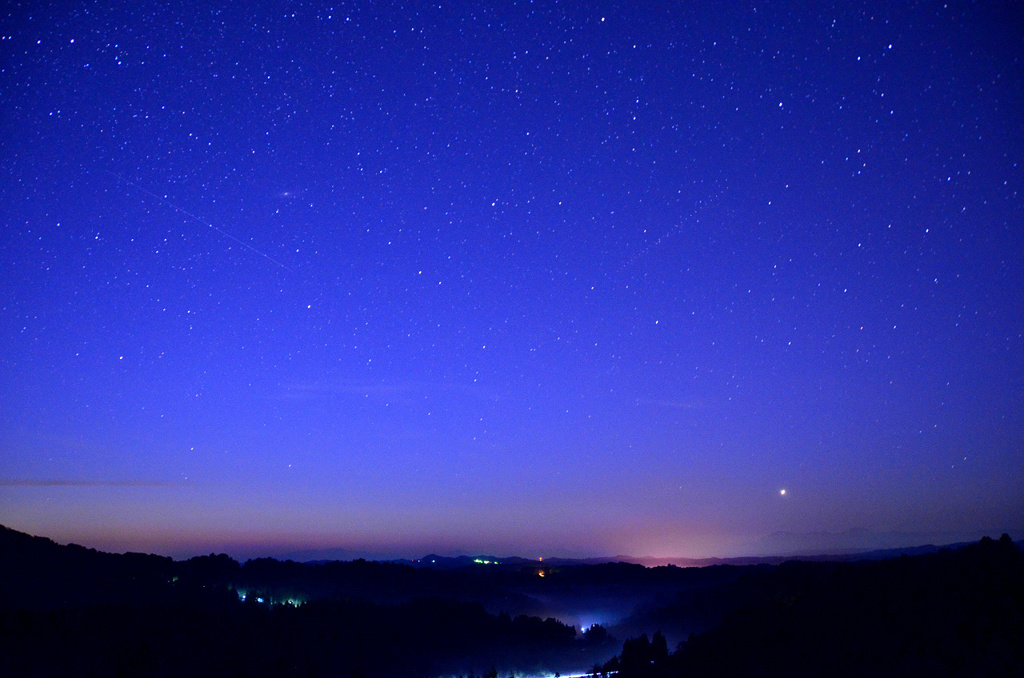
63	482
408	390
674	404
350	387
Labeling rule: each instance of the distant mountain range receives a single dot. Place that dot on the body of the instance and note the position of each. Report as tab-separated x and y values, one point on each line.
818	546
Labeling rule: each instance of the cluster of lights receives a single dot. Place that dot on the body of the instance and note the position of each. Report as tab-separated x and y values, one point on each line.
481	561
294	602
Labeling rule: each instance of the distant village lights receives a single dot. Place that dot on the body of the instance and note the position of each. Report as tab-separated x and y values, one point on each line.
293	602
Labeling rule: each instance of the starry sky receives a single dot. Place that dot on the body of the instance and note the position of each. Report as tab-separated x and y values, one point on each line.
543	278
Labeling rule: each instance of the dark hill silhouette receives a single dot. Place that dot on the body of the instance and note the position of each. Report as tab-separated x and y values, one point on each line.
39	573
68	610
949	612
952	613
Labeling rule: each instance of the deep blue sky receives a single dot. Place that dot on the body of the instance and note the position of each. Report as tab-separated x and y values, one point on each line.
539	278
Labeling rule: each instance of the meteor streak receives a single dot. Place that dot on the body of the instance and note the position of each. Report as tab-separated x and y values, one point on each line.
201	221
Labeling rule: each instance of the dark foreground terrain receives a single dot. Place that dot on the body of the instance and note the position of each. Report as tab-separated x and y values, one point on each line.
68	610
952	613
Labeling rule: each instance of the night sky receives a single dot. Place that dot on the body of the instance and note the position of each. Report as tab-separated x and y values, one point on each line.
534	278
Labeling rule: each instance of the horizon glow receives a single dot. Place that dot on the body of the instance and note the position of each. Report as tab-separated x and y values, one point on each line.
541	279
